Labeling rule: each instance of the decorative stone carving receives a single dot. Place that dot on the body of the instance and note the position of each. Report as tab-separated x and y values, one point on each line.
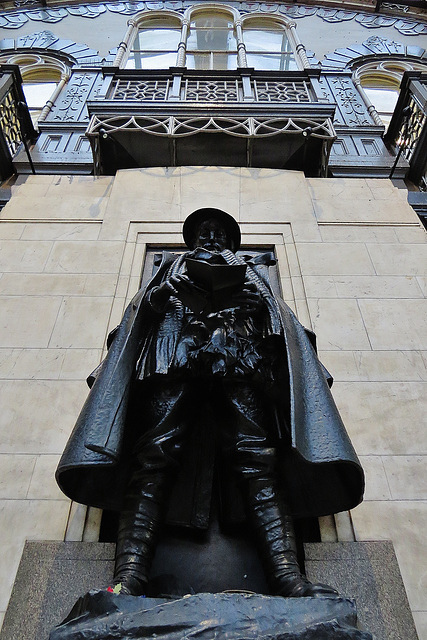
406	27
376	46
335	15
350	102
75	52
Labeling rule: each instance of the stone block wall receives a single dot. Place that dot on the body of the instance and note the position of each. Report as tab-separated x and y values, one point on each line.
352	260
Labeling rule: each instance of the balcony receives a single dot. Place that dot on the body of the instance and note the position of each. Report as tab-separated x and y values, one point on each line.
16	128
407	133
239	118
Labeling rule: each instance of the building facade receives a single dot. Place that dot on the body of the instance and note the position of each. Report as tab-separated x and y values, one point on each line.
288	116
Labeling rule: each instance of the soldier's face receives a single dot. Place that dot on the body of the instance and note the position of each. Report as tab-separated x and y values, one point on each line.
211	235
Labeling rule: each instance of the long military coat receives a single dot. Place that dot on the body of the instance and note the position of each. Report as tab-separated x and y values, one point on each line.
318	464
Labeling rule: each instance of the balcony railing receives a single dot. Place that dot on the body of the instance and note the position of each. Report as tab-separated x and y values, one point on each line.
219	90
407	132
274	119
15	121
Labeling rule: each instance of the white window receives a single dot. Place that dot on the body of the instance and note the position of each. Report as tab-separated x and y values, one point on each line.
155	45
268	46
380	82
41	76
211	38
212	42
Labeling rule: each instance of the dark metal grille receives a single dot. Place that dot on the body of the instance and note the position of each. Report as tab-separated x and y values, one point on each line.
9	122
415	126
266	91
211	91
218	90
141	90
407	132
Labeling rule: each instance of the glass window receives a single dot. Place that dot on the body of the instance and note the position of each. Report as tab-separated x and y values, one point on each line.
155	46
211	43
384	101
380	81
36	95
268	47
40	77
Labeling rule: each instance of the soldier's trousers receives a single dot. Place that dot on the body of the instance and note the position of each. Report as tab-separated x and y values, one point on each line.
174	407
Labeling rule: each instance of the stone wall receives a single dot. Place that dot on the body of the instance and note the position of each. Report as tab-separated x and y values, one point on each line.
352	260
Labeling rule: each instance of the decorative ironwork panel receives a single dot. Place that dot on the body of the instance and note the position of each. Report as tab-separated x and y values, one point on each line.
212	90
266	91
141	90
409	135
9	122
239	126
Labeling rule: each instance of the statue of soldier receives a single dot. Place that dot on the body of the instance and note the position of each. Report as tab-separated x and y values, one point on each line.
209	325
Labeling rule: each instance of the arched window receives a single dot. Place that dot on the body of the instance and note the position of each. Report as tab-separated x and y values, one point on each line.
41	75
379	81
210	38
268	45
211	42
155	44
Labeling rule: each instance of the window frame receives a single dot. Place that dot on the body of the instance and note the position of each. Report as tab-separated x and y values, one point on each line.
297	50
39	68
386	71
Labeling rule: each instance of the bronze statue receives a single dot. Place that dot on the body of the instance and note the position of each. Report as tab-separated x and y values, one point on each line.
208	326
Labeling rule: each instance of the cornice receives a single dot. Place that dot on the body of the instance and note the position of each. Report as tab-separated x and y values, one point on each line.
407	21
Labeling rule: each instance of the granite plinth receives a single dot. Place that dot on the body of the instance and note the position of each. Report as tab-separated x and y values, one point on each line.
53	575
100	615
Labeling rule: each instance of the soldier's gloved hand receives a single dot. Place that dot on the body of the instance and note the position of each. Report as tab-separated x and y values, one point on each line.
178	286
248	299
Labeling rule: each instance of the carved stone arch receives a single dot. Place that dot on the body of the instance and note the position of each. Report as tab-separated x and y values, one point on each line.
372	49
47	43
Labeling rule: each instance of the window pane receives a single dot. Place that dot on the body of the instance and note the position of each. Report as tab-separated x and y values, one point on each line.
209	20
157	39
211	40
266	40
37	94
149	60
211	32
205	61
384	101
272	62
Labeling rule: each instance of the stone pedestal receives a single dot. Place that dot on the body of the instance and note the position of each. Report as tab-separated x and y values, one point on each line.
53	575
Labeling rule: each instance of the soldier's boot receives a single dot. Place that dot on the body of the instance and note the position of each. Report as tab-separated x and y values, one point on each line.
136	541
275	535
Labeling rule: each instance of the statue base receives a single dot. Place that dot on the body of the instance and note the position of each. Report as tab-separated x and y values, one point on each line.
54	575
100	615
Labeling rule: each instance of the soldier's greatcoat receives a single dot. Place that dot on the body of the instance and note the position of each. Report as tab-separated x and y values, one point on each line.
319	465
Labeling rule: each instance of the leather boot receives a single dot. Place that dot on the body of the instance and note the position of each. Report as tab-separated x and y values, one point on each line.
136	540
275	534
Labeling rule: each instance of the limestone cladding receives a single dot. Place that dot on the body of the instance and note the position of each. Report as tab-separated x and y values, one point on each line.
352	258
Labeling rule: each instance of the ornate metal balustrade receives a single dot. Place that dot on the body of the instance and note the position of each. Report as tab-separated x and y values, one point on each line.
15	121
217	90
262	119
407	132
